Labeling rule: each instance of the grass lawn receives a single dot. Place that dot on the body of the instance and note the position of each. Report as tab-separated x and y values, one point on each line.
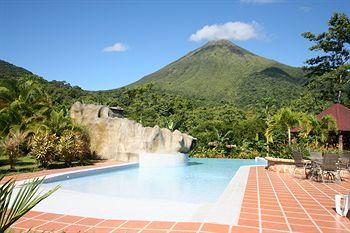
29	164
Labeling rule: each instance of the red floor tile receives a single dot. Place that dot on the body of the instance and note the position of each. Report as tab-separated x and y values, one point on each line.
183	232
29	224
275	226
300	221
249	216
160	225
332	230
52	226
100	230
216	228
301	228
153	231
47	216
243	229
135	224
190	226
89	221
75	229
111	223
69	219
270	218
32	214
248	222
126	230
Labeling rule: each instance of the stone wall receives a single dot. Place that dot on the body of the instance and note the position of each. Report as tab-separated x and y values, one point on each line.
113	137
287	166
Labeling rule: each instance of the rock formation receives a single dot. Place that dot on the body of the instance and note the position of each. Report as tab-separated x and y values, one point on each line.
115	137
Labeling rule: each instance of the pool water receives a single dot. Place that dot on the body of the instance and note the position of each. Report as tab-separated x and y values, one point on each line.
204	180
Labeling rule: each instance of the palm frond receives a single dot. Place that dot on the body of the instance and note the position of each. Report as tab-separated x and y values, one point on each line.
14	206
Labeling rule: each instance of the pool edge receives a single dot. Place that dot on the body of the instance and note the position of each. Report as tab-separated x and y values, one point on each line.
227	209
77	173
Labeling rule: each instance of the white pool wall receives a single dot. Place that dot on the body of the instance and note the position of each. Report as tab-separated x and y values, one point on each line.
163	160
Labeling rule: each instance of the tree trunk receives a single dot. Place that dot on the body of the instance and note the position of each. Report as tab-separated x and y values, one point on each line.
267	144
340	83
340	141
289	137
267	148
12	161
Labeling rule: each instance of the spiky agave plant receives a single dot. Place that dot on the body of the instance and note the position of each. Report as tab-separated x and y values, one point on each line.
14	205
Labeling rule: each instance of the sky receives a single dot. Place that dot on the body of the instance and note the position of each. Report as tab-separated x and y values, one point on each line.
100	45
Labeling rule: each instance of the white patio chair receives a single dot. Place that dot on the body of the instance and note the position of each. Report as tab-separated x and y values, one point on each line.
342	204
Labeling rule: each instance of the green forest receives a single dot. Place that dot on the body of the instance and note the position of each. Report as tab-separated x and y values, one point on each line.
253	115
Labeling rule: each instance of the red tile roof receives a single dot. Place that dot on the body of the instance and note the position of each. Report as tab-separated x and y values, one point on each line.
341	115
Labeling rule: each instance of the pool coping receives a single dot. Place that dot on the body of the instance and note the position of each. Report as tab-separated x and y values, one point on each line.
76	173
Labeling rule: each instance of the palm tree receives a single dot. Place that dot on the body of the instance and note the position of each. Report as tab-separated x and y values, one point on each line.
14	205
319	128
23	101
222	139
11	145
57	122
270	127
325	125
287	119
308	123
8	91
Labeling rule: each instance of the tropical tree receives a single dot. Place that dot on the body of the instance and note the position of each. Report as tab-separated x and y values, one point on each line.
8	91
13	205
326	125
308	123
287	119
330	69
270	127
317	129
268	106
58	122
11	145
24	102
222	138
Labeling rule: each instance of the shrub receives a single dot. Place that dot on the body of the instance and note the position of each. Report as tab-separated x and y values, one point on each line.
73	146
236	153
67	148
43	147
82	141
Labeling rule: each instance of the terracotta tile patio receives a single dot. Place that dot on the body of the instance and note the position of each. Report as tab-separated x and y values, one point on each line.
272	203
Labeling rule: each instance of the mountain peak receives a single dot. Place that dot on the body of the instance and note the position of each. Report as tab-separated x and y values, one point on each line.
224	43
220	70
220	42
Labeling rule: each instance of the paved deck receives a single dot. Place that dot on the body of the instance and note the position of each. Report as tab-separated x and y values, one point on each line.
272	203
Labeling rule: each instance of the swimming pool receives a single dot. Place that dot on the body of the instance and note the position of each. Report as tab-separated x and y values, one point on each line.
173	193
202	181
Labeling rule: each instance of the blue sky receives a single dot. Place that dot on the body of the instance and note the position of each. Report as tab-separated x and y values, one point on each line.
108	44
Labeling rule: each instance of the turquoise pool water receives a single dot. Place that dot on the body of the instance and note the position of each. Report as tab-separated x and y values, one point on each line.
204	180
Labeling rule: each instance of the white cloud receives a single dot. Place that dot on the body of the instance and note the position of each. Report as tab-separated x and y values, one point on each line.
260	1
117	47
230	30
305	9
